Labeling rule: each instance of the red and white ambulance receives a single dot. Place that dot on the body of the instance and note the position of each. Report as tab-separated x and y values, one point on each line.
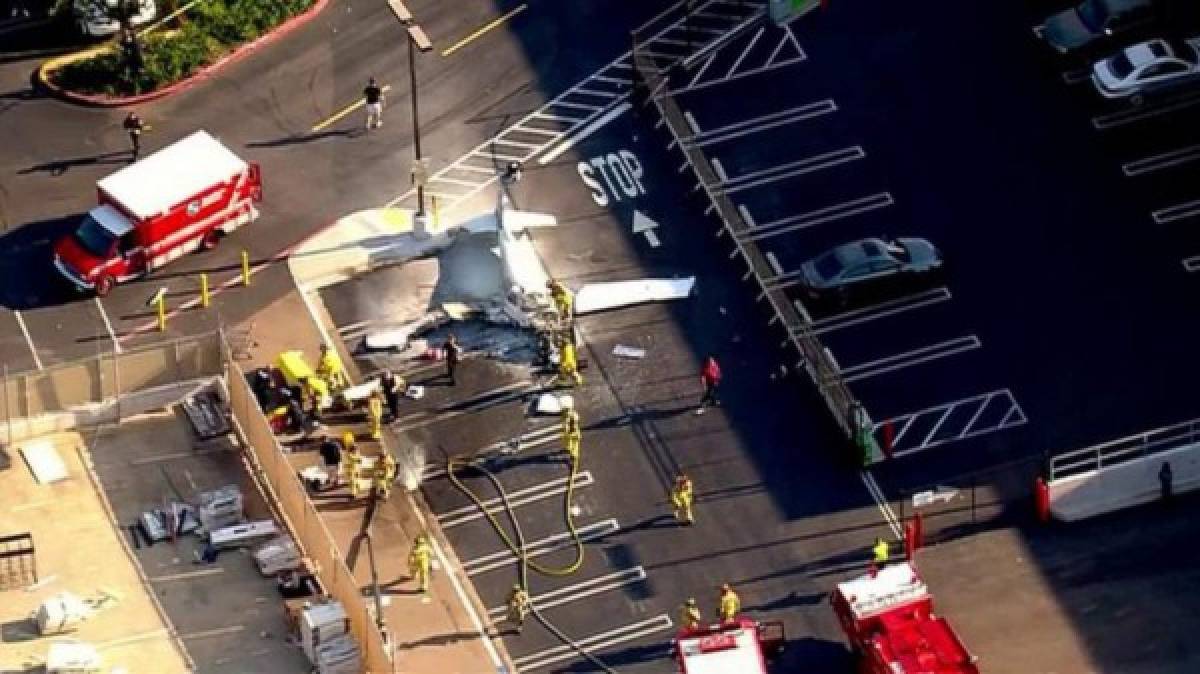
183	197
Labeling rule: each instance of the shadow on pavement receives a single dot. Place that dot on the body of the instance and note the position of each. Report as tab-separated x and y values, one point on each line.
59	167
28	279
298	139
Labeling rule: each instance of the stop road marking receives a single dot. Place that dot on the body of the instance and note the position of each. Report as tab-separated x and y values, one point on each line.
621	172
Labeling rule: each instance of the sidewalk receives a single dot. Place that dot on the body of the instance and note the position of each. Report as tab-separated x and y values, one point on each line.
439	633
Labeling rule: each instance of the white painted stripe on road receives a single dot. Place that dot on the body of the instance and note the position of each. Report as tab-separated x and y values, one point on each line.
910	358
594	643
883	309
28	340
583	133
583	590
760	124
889	515
186	575
1177	212
1161	161
535	438
497	396
691	121
541	547
774	262
597	93
745	52
818	217
108	326
1137	114
719	169
791	169
516	499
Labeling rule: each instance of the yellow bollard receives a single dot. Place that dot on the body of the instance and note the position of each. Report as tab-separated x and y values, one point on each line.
204	298
245	268
435	213
161	303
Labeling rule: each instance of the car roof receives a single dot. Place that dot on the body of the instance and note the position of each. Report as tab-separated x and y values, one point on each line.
858	251
1144	53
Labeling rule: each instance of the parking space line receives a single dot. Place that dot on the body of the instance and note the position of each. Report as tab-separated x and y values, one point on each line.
37	360
1191	264
1137	114
497	396
520	497
994	400
910	358
534	438
889	515
818	217
108	326
758	124
767	176
1161	161
749	45
595	642
883	309
773	62
1177	212
589	587
541	547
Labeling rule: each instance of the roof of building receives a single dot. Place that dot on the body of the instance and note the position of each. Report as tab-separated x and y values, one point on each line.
151	186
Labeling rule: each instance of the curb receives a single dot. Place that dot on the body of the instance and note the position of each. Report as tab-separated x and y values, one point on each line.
182	85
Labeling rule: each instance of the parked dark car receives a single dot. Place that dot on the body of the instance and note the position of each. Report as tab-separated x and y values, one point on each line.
1075	28
868	266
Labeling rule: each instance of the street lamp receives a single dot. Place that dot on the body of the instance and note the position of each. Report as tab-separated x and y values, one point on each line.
417	39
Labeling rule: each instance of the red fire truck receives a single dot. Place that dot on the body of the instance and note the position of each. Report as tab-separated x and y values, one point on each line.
740	646
183	197
888	616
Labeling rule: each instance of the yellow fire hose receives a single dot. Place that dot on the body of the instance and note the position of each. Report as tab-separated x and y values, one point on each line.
518	547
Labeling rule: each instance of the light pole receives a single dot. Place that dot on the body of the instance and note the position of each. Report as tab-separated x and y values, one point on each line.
417	40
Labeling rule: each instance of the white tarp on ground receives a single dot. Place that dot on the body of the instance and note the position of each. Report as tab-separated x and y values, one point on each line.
601	296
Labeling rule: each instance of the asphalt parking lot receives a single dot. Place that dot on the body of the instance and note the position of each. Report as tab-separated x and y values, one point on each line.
1063	218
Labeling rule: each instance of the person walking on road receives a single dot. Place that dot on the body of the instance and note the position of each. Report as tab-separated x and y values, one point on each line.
730	604
568	366
373	97
383	473
134	126
710	377
351	462
689	614
330	371
880	552
331	456
391	386
1166	479
420	560
681	499
375	414
453	357
563	300
518	607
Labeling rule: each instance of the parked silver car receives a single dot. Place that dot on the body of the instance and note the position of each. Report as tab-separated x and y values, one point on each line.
1147	67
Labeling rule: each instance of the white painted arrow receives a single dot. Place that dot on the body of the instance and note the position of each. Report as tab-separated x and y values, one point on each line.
642	224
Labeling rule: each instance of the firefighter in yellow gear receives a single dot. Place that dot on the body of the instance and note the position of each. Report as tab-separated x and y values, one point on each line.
351	462
880	552
568	365
563	300
383	475
518	607
375	414
420	560
681	499
572	435
689	614
730	604
330	370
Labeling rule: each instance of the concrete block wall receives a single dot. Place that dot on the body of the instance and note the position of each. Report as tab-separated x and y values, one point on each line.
1124	485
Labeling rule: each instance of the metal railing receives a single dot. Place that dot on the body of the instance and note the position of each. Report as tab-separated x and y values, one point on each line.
653	74
1121	450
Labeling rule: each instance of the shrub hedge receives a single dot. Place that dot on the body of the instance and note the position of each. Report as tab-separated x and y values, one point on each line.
213	28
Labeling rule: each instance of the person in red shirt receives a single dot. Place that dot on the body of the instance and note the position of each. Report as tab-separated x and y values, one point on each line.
710	376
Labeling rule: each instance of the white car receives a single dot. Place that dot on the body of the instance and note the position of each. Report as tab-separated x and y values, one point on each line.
1147	67
94	17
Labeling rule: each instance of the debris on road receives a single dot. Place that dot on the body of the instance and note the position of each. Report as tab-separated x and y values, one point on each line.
616	294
